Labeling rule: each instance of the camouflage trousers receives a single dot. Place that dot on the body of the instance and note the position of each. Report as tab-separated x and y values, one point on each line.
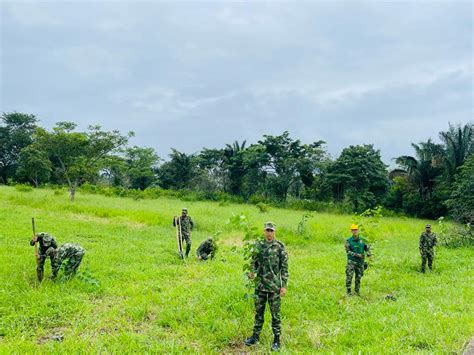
351	269
187	238
427	256
274	302
72	264
40	266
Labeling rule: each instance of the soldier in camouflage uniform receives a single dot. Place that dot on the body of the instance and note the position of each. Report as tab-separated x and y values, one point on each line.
73	253
270	265
46	242
187	226
206	249
428	241
356	249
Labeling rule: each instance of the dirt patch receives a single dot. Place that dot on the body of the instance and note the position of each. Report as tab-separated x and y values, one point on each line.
469	350
55	334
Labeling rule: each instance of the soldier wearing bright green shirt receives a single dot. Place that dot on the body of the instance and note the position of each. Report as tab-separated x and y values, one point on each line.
356	249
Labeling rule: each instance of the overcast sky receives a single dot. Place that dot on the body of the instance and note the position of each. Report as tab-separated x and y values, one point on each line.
202	74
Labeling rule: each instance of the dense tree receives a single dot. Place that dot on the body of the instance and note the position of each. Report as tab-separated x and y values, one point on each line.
286	161
78	156
141	165
16	133
359	175
461	203
178	172
33	165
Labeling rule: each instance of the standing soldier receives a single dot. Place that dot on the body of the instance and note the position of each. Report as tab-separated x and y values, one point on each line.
187	226
46	242
356	250
207	249
428	241
73	253
270	265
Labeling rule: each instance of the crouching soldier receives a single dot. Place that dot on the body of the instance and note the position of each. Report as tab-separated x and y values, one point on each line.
207	249
73	253
46	243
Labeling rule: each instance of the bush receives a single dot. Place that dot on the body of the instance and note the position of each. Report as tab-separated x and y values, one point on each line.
23	188
262	207
455	236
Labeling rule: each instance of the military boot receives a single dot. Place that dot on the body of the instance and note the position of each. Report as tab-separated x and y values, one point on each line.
349	291
188	248
252	340
276	343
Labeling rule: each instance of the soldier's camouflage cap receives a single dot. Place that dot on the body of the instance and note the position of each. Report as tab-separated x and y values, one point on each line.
184	210
270	225
428	226
47	239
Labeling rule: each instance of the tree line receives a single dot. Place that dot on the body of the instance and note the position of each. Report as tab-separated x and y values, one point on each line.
438	179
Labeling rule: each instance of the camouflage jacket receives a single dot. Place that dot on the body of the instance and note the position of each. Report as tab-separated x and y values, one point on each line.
64	252
270	264
208	246
186	223
45	241
427	241
355	247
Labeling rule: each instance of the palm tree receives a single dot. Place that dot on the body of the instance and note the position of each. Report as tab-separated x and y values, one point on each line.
422	170
459	143
234	162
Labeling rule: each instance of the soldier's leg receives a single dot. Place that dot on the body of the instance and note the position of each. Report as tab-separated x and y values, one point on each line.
40	268
73	263
349	274
260	301
274	301
430	257
188	243
423	261
359	272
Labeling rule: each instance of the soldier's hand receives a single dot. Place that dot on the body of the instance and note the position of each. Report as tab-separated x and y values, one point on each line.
251	275
360	256
35	239
282	291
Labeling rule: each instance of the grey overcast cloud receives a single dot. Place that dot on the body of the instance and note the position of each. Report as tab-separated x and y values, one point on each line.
190	75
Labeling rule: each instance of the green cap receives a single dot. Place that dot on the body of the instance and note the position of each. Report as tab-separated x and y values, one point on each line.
184	210
428	226
270	225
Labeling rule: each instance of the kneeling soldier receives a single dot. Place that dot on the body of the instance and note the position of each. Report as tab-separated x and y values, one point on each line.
206	249
71	252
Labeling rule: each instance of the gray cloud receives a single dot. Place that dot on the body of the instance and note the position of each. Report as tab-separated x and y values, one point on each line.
189	75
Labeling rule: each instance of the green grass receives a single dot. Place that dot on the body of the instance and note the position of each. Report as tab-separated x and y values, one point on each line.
149	300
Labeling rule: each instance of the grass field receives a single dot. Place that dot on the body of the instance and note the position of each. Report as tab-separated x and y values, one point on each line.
135	295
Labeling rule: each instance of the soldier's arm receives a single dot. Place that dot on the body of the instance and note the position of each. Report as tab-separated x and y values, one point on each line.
284	268
54	244
191	223
349	251
174	222
35	239
367	250
435	240
421	241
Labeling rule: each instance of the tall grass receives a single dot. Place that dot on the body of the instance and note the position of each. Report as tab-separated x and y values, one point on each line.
135	295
